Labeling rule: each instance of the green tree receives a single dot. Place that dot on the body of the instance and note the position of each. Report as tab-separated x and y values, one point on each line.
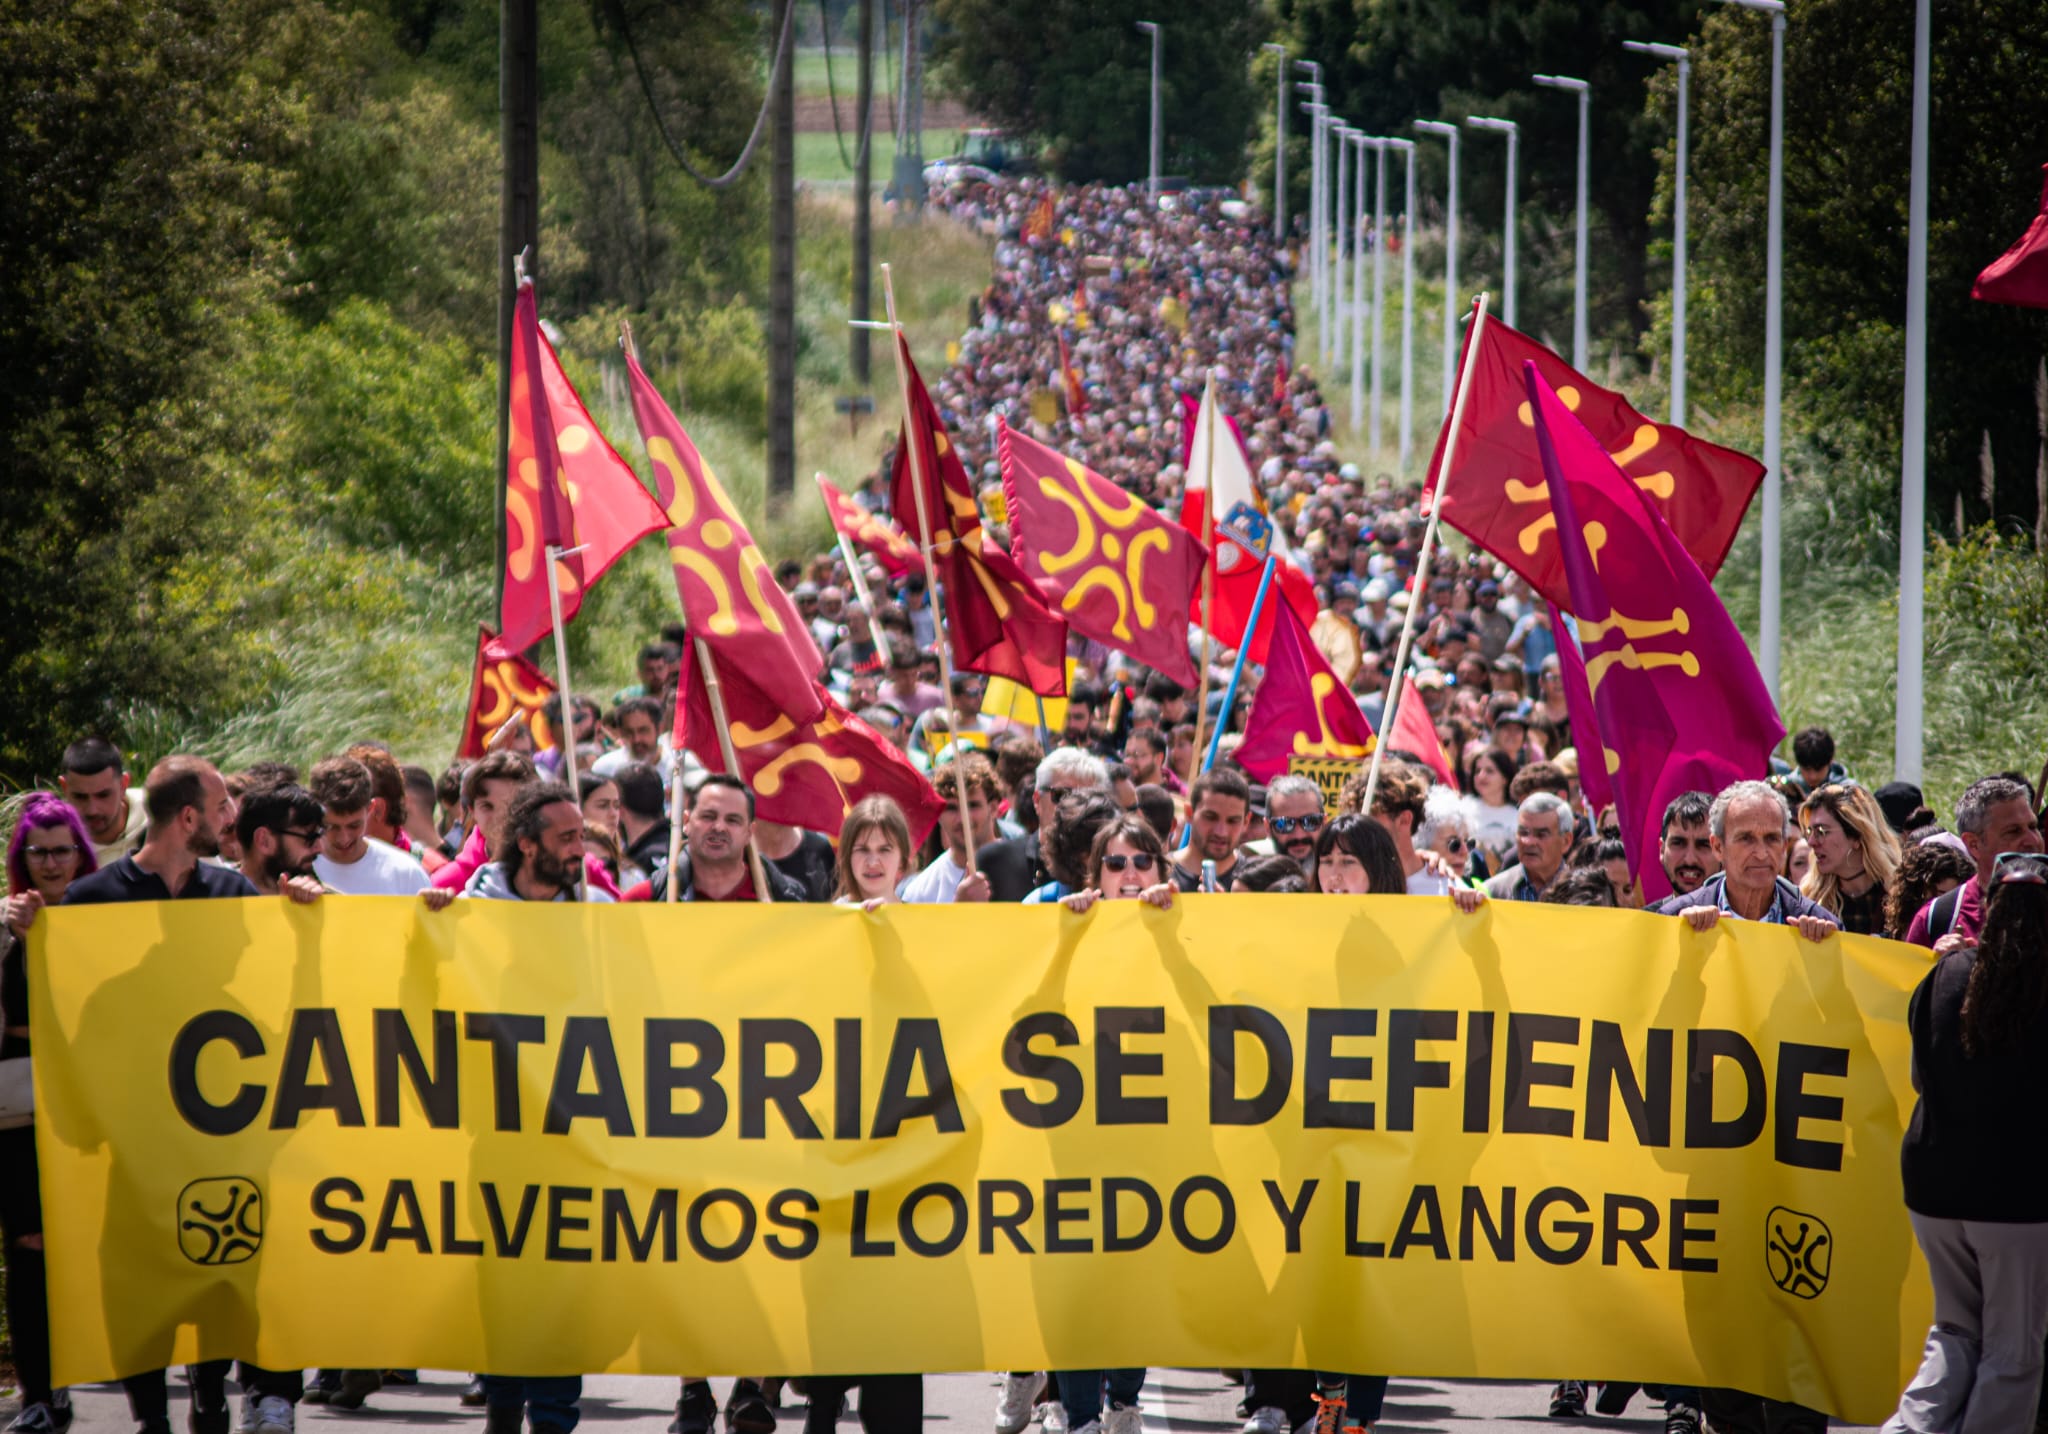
1848	99
1077	75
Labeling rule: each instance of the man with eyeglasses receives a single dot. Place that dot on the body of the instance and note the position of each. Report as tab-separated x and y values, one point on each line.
282	830
1294	814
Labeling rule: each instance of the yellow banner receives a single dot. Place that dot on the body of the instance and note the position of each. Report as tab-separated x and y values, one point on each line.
1342	1133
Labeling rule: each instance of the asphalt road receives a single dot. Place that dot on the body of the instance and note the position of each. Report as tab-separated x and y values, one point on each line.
1175	1401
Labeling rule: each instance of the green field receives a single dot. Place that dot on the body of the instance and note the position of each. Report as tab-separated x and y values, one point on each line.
818	157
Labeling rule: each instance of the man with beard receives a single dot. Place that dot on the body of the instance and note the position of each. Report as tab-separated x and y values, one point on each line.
187	805
1687	847
95	782
281	830
1294	814
716	834
1219	805
540	856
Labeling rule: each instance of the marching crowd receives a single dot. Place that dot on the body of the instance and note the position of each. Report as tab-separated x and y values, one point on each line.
1114	803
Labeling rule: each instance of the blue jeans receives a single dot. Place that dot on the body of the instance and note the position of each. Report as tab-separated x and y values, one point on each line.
550	1401
1081	1391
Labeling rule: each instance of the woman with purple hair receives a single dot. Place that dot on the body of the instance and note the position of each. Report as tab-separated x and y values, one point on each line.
49	851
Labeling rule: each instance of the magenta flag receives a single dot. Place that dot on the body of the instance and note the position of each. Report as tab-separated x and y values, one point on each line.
1596	779
1302	709
1677	696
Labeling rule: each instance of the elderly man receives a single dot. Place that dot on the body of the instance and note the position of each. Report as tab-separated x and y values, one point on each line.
1747	824
1543	834
1016	866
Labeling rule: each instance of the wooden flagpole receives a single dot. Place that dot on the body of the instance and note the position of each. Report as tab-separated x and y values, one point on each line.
675	789
723	723
1209	568
1422	557
931	570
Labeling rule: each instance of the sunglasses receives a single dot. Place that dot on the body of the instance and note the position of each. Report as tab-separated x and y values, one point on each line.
1455	845
2026	866
1312	823
1137	861
308	837
1610	833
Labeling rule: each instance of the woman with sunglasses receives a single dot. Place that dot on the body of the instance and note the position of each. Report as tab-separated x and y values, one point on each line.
1975	1163
1126	862
1447	831
1854	852
50	850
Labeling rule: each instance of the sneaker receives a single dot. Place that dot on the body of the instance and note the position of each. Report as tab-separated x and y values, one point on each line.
1681	1420
1613	1398
1015	1403
209	1421
1123	1419
1329	1413
696	1409
274	1415
1568	1400
1267	1420
746	1412
1051	1417
60	1407
473	1396
356	1386
35	1419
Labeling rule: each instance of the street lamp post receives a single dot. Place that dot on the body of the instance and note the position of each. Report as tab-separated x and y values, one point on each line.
1678	53
1407	423
1581	343
1149	28
1906	734
1379	277
1361	143
1279	144
1318	182
1770	598
1341	145
1449	133
1514	133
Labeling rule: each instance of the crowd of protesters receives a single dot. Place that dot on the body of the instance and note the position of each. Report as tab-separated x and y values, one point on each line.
1113	803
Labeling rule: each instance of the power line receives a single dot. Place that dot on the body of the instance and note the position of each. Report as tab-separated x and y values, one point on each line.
739	166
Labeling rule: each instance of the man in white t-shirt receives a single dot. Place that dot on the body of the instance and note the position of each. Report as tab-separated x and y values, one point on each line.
355	863
946	879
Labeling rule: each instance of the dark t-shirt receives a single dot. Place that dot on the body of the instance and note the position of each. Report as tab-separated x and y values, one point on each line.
813	866
13	992
125	880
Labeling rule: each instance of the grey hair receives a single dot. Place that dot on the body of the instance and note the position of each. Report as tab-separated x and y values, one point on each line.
1974	809
1291	786
1545	804
1717	814
1071	764
1443	810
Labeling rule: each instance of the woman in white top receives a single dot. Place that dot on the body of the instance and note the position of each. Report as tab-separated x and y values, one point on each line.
874	853
1488	809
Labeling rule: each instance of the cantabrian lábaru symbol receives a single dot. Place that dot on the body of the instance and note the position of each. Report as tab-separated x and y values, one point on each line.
1799	1249
220	1220
1658	485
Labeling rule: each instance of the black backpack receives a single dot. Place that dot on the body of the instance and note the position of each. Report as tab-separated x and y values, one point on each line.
1941	916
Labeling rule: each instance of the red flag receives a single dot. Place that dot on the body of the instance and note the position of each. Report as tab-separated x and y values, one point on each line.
1237	567
995	619
731	602
1302	710
1119	572
1674	686
1595	780
2020	274
564	487
503	683
1413	730
1070	383
1496	495
802	774
896	553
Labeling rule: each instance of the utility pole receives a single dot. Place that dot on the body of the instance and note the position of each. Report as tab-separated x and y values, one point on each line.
518	199
1280	147
782	276
1152	186
910	118
863	191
